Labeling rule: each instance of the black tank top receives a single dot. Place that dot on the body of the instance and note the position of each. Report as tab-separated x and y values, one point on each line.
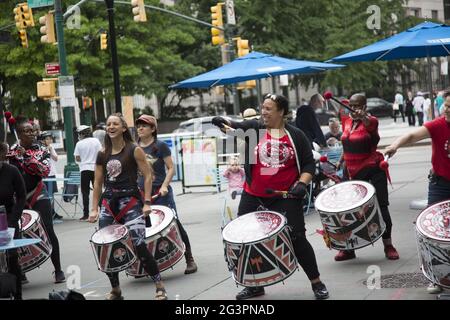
120	170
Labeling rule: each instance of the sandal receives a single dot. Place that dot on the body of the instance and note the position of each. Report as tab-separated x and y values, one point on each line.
114	296
161	294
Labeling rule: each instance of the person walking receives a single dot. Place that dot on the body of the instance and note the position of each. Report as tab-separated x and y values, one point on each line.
418	106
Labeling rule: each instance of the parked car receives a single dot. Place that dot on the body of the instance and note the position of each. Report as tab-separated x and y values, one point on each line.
379	107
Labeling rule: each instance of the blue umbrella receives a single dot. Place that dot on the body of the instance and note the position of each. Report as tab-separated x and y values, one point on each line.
255	65
427	39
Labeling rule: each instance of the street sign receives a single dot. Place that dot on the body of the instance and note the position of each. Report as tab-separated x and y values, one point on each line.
40	3
67	91
231	17
52	68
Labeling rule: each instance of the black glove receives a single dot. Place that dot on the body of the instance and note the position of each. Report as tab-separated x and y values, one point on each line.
219	121
298	190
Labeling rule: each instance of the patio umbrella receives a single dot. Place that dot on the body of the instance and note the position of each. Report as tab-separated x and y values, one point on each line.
255	65
427	39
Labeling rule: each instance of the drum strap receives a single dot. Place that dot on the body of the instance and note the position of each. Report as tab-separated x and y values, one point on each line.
122	212
36	193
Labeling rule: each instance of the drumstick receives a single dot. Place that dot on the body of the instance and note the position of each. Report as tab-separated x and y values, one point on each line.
285	194
229	128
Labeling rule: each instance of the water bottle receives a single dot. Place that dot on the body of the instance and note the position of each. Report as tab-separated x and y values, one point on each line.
5	238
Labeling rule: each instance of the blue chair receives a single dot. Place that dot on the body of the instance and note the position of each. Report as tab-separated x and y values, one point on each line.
70	193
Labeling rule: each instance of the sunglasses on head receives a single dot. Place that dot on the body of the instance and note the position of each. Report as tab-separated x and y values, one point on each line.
271	96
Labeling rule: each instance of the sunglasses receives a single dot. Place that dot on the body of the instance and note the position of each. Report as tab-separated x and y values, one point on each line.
271	96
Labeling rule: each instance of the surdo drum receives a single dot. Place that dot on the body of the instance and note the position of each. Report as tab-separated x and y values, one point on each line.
33	256
163	240
350	215
113	248
433	242
258	249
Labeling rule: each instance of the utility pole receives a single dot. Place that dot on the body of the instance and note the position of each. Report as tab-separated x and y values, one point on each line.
67	111
230	26
115	62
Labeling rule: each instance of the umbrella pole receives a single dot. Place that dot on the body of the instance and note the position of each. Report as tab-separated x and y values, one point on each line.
258	92
430	86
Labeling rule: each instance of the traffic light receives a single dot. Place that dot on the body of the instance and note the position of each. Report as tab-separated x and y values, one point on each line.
87	103
250	84
46	89
217	20
47	22
139	10
23	38
242	47
23	16
103	41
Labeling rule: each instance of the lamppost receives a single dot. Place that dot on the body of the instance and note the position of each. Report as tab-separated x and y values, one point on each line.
115	63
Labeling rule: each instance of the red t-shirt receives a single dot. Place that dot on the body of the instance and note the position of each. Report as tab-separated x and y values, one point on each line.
360	145
275	166
439	130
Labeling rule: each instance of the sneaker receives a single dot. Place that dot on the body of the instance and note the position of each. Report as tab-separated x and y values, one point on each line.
345	255
390	252
191	267
250	292
320	291
24	279
57	216
84	218
434	288
59	277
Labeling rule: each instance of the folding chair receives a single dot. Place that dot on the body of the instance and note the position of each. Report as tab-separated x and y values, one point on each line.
70	192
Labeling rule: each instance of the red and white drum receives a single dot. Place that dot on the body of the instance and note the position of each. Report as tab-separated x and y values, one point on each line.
163	240
33	256
113	248
350	215
433	242
258	249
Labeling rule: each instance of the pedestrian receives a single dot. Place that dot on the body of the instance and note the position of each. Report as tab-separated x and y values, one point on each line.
409	110
418	106
236	177
333	136
439	104
32	160
398	107
282	160
359	141
306	120
121	202
46	138
427	109
439	177
99	133
12	196
158	154
85	153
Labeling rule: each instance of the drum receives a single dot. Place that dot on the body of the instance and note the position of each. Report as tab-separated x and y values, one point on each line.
113	248
34	255
163	240
433	242
258	249
350	215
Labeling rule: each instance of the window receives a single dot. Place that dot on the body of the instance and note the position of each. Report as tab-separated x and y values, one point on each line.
416	12
434	15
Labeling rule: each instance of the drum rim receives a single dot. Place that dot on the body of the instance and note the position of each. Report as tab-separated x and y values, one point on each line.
422	231
32	213
364	200
278	230
159	229
117	240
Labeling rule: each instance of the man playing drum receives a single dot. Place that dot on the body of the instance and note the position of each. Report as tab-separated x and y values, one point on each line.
117	166
359	140
282	160
439	178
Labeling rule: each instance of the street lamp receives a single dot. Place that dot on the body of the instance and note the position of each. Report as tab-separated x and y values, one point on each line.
115	63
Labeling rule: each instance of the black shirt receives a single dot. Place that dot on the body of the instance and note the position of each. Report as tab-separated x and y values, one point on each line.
306	120
329	135
12	192
155	154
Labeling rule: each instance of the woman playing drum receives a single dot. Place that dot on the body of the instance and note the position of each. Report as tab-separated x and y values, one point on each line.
117	166
359	140
281	160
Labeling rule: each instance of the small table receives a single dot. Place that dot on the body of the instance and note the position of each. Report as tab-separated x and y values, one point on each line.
13	244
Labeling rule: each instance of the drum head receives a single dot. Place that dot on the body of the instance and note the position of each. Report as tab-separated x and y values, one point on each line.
432	223
344	196
28	218
253	226
109	234
160	217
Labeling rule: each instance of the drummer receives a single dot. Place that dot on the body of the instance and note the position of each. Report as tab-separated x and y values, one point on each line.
359	140
282	159
439	178
117	166
158	154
